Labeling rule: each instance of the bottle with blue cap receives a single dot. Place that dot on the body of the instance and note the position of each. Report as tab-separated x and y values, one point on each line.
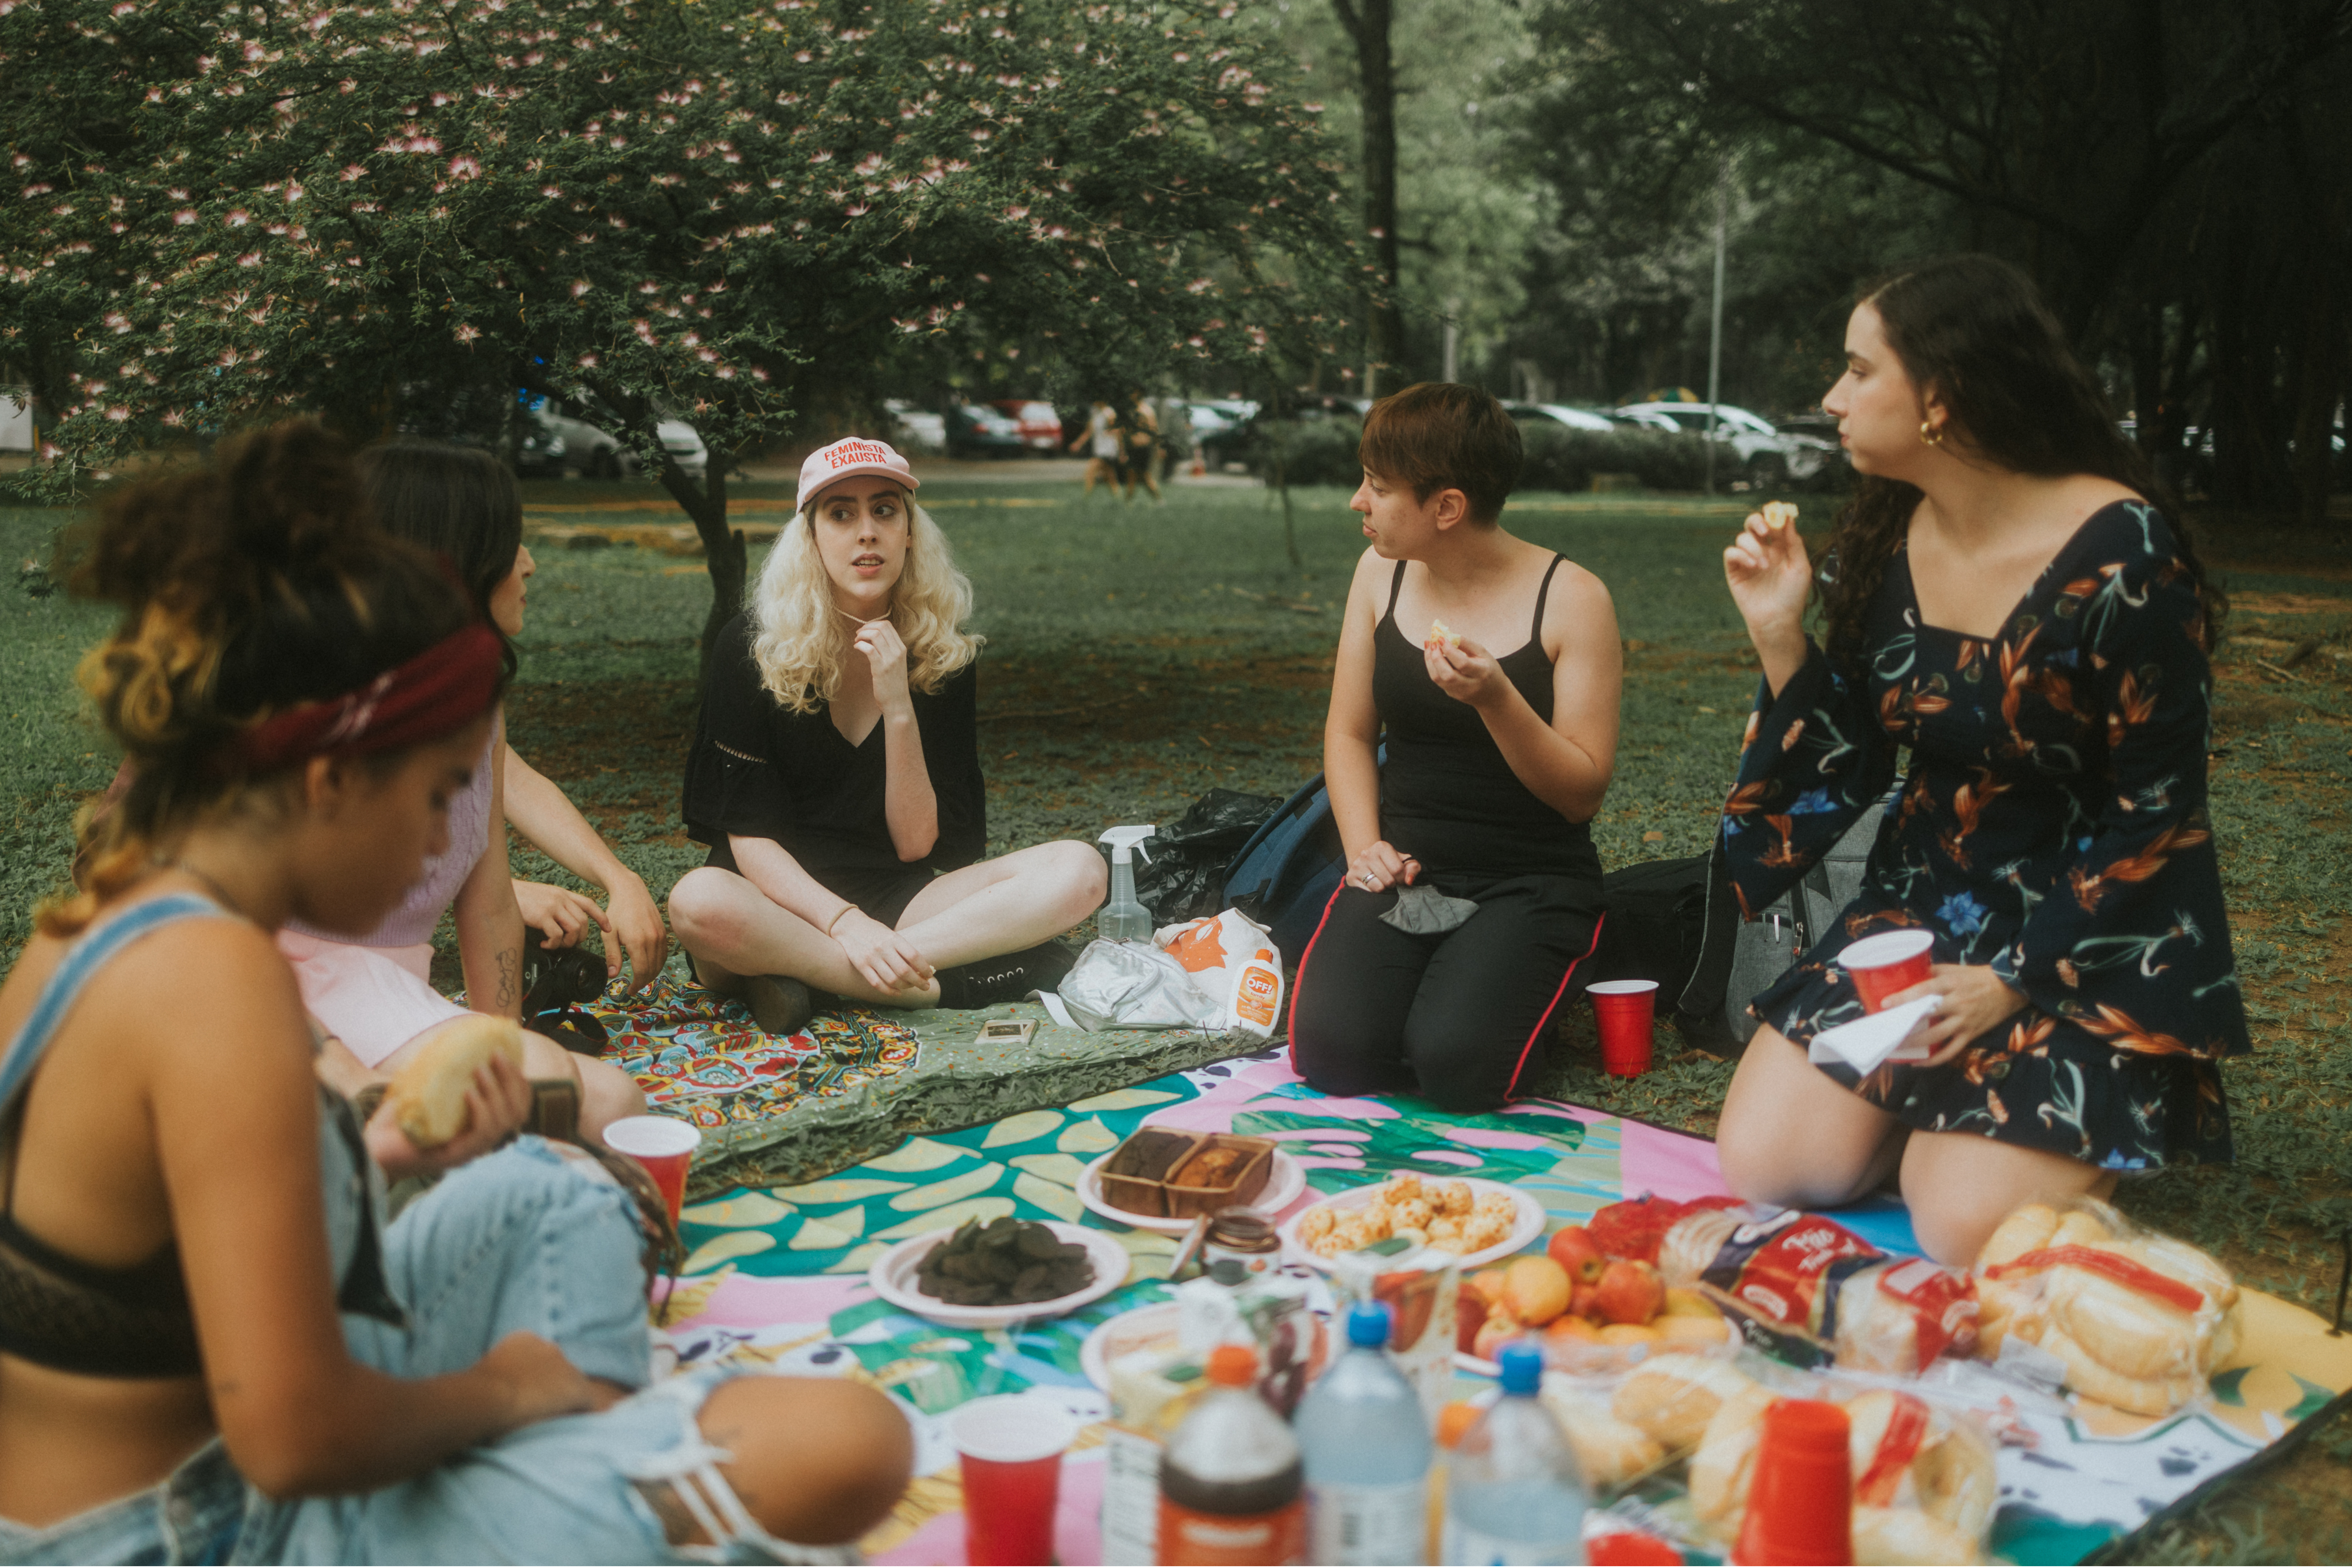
1514	1493
1367	1447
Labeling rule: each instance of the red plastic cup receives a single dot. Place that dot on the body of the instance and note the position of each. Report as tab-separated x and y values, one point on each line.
1625	1011
1010	1447
1801	1503
663	1145
1882	965
1630	1549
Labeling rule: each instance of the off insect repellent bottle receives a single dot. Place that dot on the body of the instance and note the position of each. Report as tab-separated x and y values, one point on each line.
1256	999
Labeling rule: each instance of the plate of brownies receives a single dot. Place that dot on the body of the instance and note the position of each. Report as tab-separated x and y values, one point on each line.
978	1276
1162	1178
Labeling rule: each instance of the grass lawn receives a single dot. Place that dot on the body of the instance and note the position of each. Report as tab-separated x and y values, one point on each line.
1139	657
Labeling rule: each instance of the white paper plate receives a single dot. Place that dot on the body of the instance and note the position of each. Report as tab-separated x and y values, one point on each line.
1157	1327
1529	1226
1138	1328
893	1277
1284	1182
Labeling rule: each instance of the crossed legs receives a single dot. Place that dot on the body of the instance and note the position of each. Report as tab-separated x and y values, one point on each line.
1792	1135
998	906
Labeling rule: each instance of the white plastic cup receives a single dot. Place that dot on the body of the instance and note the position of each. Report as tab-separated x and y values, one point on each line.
663	1145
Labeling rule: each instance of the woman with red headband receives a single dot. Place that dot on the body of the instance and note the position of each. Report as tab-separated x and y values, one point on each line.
210	1351
836	776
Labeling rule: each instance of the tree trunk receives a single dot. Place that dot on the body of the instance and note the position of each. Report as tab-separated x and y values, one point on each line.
723	548
1367	23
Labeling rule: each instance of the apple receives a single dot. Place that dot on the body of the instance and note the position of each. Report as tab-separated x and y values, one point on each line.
1569	1327
1582	1300
1629	1292
1488	1283
1682	1303
1626	1334
1535	1289
1681	1330
1499	1330
1572	1248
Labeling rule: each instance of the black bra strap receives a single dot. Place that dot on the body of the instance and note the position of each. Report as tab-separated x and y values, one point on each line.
1396	586
1535	634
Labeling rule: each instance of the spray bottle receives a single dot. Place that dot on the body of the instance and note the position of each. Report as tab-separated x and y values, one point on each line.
1124	918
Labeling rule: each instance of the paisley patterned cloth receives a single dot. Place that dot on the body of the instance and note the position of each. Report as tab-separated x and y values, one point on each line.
2052	826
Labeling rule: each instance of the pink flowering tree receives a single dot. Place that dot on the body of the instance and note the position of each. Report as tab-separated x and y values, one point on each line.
728	212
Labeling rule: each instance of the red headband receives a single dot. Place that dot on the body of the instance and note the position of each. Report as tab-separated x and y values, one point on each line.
433	693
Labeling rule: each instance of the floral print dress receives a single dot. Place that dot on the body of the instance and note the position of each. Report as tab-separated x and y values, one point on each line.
2053	825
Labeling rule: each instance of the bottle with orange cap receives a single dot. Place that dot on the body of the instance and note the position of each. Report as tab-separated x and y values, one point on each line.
1230	1481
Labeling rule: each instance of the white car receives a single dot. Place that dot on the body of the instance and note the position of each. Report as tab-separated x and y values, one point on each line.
1766	456
915	429
593	453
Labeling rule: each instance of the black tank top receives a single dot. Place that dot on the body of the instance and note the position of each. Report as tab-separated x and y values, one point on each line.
1448	797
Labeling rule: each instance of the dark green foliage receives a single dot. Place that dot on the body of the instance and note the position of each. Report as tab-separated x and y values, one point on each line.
1559	458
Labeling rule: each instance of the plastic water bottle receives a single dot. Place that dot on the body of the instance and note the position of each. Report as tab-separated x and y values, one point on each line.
1368	1452
1513	1492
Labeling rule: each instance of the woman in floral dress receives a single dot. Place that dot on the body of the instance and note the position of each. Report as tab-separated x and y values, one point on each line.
2009	598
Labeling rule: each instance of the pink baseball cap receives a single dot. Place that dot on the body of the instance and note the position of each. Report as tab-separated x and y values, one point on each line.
857	455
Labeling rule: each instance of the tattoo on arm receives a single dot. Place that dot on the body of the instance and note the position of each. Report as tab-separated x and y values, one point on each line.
509	963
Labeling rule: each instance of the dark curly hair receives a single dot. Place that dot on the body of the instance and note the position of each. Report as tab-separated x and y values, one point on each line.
254	584
1976	330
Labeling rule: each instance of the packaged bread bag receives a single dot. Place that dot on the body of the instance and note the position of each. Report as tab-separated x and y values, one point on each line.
2082	1296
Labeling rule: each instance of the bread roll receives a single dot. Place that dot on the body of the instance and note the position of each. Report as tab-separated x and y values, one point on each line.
2027	1230
1905	1535
427	1095
1609	1451
2092	1378
2136	1335
1691	1244
1726	1460
1673	1397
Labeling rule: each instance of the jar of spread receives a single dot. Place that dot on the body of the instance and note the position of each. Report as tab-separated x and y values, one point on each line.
1245	1236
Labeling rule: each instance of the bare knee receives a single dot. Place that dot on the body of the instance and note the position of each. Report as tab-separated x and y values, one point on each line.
1083	880
700	911
817	1460
606	1094
1951	1227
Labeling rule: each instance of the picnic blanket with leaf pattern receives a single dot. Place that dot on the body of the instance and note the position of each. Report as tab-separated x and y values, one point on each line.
777	1276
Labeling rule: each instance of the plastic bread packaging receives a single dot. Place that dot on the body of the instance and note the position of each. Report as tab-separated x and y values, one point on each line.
1924	1484
427	1095
1809	1290
2121	1314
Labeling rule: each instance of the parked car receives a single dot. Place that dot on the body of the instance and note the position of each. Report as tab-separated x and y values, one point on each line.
1040	426
1564	414
915	429
975	430
590	451
1766	456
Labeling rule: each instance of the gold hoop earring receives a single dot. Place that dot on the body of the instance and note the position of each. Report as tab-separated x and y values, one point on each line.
1931	432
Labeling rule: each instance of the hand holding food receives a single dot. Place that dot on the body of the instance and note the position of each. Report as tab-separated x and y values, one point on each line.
1440	635
427	1097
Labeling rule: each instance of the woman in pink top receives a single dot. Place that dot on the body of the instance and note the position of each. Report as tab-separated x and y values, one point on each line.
374	994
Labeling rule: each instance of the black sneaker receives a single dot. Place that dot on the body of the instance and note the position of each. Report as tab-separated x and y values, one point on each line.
984	982
779	1004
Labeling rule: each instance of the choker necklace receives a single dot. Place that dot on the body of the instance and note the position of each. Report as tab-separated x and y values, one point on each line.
220	894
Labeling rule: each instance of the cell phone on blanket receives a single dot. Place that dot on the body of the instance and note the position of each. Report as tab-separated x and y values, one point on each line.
1005	1031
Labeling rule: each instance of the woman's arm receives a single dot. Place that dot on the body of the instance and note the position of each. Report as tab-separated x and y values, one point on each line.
489	923
1351	736
909	804
1566	764
227	1083
548	820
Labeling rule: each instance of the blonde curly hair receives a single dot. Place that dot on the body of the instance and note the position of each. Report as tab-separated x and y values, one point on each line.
799	640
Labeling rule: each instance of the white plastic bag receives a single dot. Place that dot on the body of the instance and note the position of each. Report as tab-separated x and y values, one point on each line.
1130	986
